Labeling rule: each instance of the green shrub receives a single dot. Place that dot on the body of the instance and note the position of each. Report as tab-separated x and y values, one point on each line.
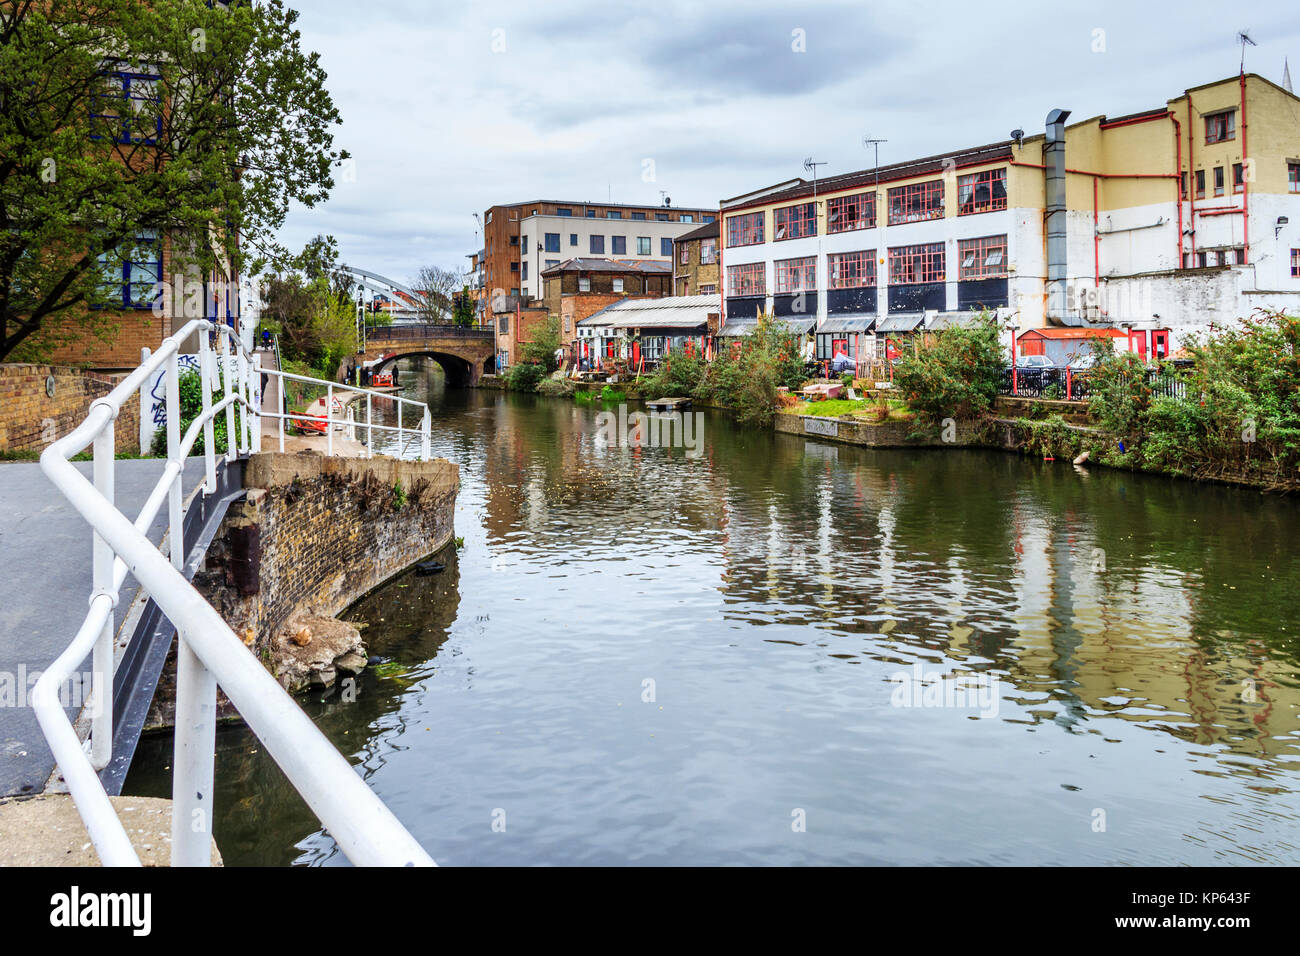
525	376
957	375
191	394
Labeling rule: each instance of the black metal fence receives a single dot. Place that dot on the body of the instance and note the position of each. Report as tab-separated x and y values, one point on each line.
1076	386
420	332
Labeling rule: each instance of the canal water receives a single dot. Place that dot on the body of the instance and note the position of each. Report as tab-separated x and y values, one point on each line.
782	651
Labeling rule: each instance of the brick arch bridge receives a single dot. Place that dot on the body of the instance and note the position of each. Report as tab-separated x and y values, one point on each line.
463	353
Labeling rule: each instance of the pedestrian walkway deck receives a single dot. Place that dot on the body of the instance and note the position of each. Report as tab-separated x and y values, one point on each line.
45	568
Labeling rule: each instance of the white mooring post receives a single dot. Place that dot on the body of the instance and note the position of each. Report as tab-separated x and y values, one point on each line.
101	731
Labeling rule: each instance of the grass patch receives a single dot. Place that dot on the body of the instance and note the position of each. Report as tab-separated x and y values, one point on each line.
839	407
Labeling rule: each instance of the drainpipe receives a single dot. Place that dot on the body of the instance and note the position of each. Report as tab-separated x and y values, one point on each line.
1057	217
1191	173
1096	239
1245	185
1178	183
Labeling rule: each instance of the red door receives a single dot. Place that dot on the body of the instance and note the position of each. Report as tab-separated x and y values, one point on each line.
636	354
1160	344
1138	343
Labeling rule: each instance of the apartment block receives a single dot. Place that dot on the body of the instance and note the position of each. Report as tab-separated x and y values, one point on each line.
1171	218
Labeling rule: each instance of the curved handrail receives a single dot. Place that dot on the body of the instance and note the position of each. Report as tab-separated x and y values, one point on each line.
210	652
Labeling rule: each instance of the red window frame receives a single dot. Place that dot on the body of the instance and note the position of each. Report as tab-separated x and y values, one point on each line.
1295	263
1221	127
847	213
851	270
794	222
1200	184
912	265
708	251
1218	180
684	257
749	278
991	182
1238	178
978	252
796	275
745	230
916	202
1293	177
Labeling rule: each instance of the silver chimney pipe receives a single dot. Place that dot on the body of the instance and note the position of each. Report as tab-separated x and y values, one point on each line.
1057	276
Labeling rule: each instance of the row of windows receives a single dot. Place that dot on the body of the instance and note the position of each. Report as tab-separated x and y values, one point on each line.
708	252
636	216
982	258
644	244
980	192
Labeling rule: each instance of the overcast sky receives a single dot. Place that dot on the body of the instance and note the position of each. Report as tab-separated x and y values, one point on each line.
449	108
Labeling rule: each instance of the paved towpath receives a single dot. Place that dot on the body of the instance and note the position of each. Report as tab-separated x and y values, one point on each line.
45	575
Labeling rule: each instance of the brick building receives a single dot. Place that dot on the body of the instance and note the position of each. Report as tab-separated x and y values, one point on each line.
695	261
523	240
576	288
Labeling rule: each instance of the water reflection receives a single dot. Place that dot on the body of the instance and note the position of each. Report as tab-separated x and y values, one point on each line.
1140	630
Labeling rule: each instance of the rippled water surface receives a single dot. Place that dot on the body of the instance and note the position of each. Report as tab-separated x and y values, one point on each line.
767	595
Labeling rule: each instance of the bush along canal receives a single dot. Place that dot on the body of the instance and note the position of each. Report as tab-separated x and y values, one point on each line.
785	650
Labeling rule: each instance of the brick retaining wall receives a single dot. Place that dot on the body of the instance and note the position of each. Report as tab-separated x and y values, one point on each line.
30	419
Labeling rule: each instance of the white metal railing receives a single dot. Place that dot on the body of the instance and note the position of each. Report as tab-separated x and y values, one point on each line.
209	652
331	423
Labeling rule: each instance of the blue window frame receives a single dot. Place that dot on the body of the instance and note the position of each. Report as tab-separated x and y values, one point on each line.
573	238
132	273
591	214
710	218
552	242
597	244
638	215
618	245
613	214
666	247
127	108
561	211
684	217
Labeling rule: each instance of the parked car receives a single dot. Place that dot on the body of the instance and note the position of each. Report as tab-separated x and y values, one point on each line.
1083	362
1034	362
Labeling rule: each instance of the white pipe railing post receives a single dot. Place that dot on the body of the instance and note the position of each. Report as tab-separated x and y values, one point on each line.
246	392
280	382
256	378
193	759
370	429
329	420
101	731
175	528
425	436
209	437
228	371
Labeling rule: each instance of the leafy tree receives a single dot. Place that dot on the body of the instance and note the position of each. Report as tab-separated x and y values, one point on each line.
463	313
122	120
434	288
312	308
543	340
956	375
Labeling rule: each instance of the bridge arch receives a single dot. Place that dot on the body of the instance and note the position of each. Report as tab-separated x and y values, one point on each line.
459	370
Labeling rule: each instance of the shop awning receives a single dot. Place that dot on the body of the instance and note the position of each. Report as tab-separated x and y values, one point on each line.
848	323
738	327
901	323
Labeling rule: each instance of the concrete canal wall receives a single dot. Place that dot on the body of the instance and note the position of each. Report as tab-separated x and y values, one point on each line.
313	535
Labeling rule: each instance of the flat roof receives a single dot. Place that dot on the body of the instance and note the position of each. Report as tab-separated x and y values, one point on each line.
594	264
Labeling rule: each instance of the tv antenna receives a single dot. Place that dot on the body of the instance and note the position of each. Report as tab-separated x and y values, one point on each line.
874	143
811	165
1244	39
